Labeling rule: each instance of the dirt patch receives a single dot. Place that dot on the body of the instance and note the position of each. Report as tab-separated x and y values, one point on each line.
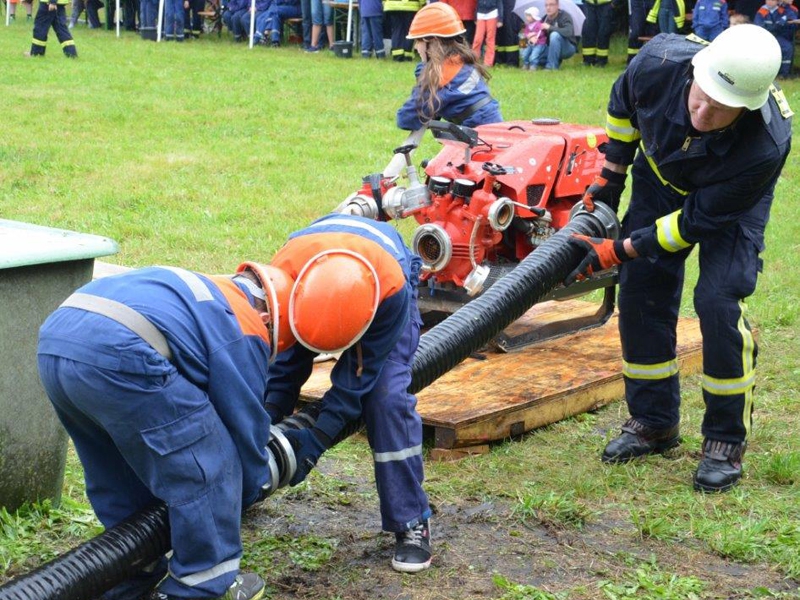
472	540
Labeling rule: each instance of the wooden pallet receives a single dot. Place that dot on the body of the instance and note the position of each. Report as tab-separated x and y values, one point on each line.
493	395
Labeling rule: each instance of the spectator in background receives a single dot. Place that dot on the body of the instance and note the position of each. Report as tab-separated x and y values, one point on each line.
261	8
709	18
130	10
372	28
638	25
233	15
508	42
12	9
536	39
561	41
91	7
781	23
399	14
467	11
192	21
321	15
52	14
148	13
451	81
670	15
596	33
173	20
737	19
487	20
272	21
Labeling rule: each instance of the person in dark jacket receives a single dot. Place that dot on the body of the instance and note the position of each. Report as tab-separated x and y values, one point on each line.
451	82
508	42
708	133
561	40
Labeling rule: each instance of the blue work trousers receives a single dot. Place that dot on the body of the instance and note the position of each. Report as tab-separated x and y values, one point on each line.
558	48
372	37
274	17
533	54
649	300
57	19
173	20
152	435
638	25
232	20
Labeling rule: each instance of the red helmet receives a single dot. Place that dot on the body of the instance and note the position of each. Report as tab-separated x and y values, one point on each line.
334	300
277	285
436	20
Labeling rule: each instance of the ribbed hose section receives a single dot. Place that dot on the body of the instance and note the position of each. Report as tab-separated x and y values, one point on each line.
99	564
478	322
113	556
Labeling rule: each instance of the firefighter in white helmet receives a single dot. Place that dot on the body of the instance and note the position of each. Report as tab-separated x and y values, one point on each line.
707	132
159	376
355	294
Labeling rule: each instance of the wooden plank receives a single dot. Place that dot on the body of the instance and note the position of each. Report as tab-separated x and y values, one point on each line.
492	395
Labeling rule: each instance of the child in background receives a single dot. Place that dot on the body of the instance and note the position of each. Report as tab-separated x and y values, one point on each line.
12	9
536	38
451	81
709	18
372	28
487	20
781	23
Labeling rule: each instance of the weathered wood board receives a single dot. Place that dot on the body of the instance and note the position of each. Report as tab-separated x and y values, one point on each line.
494	395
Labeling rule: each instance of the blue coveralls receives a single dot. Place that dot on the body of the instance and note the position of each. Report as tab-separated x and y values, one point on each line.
457	98
57	19
596	31
777	23
190	431
710	18
378	393
711	190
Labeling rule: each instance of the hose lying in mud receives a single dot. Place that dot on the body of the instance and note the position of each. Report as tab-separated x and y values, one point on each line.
122	551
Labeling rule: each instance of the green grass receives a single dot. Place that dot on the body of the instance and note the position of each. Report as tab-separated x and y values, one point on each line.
206	154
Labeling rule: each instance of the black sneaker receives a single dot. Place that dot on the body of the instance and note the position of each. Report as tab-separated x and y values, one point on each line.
246	586
412	551
721	466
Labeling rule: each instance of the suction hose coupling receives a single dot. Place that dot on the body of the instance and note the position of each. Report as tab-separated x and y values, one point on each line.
602	218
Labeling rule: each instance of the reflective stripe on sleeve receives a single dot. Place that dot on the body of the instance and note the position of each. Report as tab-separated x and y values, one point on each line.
621	129
669	233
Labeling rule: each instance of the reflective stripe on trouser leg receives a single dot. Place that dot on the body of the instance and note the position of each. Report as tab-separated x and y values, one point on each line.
178	449
41	26
649	299
729	267
62	31
394	429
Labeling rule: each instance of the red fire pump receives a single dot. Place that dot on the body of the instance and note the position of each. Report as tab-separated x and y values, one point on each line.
490	197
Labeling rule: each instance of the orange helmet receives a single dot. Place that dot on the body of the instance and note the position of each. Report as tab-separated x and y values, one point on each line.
436	20
277	285
333	300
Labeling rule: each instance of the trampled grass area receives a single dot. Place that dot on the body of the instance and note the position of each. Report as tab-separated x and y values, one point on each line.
204	154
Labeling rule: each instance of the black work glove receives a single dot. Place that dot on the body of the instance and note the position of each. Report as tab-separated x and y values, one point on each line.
601	254
308	446
607	187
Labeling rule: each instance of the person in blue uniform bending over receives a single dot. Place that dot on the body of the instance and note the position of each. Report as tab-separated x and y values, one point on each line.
159	375
707	132
451	81
358	279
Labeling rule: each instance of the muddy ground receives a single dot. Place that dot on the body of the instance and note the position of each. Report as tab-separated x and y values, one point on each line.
474	539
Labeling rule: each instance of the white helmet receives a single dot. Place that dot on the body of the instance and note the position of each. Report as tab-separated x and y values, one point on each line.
737	68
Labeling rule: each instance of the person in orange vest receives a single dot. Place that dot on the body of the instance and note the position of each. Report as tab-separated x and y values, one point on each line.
355	294
467	11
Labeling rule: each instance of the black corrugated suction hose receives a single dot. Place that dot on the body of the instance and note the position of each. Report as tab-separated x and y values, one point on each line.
118	553
476	323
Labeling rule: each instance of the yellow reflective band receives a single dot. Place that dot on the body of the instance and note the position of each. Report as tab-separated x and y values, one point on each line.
602	52
653	166
514	48
621	129
633	51
67	43
680	18
39	42
781	101
669	233
662	370
589	51
729	387
748	363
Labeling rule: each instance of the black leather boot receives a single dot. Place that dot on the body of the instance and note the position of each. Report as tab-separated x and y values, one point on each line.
721	466
638	440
